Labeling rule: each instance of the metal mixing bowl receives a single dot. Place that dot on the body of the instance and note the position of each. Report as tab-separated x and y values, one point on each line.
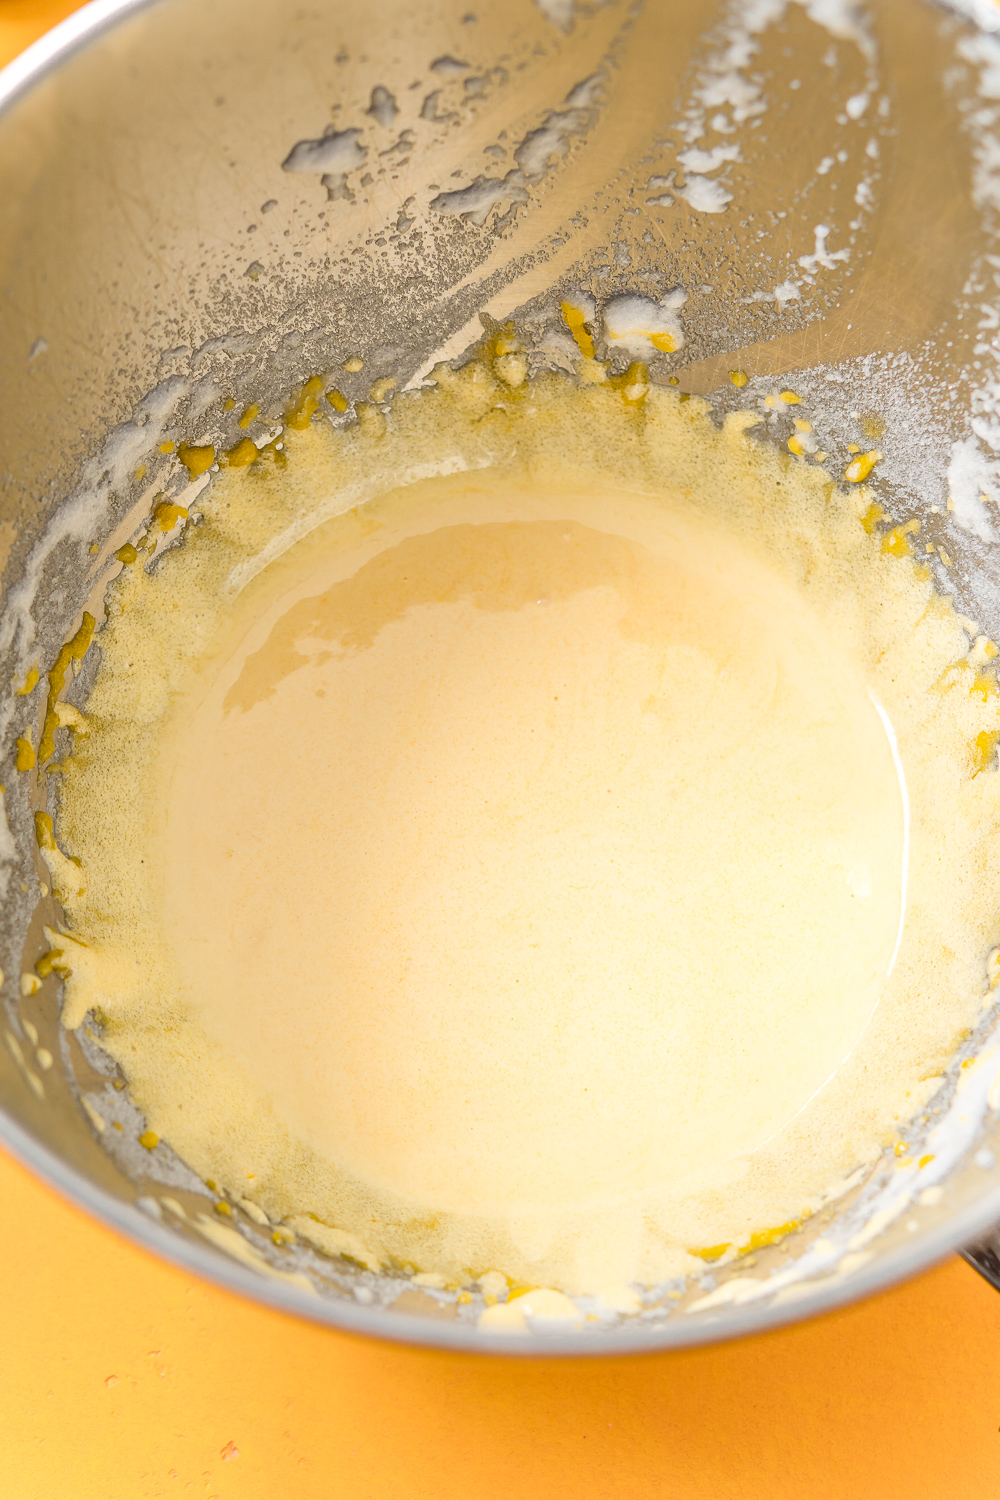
223	200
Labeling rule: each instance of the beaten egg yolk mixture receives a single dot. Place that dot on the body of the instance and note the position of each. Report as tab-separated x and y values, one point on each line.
539	832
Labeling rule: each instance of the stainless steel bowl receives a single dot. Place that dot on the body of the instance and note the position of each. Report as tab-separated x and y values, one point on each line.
201	201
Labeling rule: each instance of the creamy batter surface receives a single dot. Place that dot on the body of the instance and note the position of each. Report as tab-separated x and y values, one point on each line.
543	833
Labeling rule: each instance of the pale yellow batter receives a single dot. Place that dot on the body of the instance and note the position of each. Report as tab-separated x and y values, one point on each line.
563	862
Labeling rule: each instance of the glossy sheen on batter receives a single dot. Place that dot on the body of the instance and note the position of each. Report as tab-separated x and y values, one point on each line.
534	867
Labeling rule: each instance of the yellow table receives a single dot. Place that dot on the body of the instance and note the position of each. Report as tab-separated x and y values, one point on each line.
124	1379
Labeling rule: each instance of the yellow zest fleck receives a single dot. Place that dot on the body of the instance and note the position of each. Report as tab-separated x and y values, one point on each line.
25	754
900	1148
149	1139
740	378
52	962
229	404
337	401
942	554
984	684
224	1209
924	1160
248	416
710	1252
353	365
769	400
795	445
862	467
166	515
127	554
140	472
466	1297
117	1125
300	411
984	750
871	517
244	453
74	650
897	541
167	447
196	460
576	321
665	342
853	448
30	683
790	398
821	456
43	831
801	425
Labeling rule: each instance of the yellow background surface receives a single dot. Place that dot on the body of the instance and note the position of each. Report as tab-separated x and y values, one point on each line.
122	1378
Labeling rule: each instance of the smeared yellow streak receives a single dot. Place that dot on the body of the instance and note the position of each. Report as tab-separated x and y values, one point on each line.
300	410
74	650
984	748
896	542
634	384
765	1237
576	321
